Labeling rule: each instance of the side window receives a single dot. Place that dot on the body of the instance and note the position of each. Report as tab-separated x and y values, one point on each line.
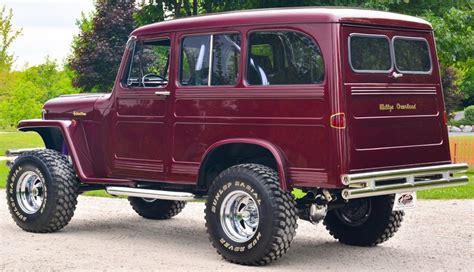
369	53
210	60
412	55
283	57
149	65
225	59
195	60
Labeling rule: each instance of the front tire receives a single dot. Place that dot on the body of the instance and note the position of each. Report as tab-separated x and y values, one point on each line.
249	218
42	191
155	208
365	221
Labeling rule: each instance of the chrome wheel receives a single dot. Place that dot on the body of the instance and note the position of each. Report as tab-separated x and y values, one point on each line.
30	192
239	216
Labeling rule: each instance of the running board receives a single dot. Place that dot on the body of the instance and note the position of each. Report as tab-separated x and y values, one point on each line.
149	193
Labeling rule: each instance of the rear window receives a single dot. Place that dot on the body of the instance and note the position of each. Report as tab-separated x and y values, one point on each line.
411	54
370	53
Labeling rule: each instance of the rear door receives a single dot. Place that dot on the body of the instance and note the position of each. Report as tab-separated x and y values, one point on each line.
394	99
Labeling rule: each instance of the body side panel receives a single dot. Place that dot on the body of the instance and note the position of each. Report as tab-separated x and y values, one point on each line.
293	118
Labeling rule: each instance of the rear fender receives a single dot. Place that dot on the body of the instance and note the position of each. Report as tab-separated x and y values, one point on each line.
278	155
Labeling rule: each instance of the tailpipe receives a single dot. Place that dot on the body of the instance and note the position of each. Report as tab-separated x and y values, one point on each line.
317	213
149	193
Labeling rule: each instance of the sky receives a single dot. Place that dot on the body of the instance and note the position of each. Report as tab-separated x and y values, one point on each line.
48	28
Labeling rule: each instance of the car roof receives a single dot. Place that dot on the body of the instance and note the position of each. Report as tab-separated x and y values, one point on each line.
287	16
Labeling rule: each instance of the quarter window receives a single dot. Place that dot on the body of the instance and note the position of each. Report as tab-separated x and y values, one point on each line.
370	53
210	60
283	57
411	54
149	66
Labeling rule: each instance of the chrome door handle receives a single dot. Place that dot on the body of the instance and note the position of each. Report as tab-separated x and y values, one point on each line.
395	75
163	93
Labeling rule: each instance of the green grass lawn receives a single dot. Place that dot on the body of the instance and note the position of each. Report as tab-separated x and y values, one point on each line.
458	192
31	139
16	140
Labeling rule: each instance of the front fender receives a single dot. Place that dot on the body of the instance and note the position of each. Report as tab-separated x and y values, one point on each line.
71	136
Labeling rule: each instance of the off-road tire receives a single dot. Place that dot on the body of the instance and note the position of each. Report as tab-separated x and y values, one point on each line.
60	197
158	209
380	225
277	215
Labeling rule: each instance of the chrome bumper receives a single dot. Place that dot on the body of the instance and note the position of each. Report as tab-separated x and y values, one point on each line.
402	180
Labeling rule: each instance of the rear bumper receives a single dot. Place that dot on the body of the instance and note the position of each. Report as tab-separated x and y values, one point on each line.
402	180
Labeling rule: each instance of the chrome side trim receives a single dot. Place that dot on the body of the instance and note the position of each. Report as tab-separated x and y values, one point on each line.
419	178
149	193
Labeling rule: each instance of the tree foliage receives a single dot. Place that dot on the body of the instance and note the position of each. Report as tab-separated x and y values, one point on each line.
452	94
28	90
454	33
7	36
97	51
469	114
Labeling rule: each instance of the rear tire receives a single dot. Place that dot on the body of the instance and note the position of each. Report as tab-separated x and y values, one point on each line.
42	190
364	221
155	208
249	218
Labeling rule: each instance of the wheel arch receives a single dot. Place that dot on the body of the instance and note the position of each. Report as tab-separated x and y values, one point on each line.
273	157
52	136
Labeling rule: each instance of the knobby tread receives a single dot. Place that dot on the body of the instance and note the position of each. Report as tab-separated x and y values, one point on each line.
284	205
158	209
64	182
387	223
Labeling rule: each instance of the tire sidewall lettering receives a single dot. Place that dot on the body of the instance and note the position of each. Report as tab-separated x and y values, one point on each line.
216	203
18	170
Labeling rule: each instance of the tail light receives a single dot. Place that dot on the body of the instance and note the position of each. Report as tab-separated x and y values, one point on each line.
338	120
445	118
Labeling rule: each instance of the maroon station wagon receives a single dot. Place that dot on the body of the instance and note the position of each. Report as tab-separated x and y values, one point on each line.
342	107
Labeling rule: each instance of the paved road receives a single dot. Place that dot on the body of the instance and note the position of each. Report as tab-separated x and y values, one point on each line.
459	115
106	235
461	134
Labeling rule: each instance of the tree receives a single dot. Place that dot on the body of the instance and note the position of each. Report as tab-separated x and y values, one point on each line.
29	89
454	33
151	11
452	95
7	37
98	49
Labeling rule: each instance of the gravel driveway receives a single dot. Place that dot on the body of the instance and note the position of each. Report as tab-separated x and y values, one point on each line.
105	234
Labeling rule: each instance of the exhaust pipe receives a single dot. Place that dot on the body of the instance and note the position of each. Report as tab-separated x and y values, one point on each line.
149	193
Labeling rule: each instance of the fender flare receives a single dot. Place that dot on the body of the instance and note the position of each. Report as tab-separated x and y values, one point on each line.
277	153
69	130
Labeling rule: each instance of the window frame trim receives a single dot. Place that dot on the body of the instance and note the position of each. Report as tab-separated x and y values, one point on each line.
211	48
390	51
430	71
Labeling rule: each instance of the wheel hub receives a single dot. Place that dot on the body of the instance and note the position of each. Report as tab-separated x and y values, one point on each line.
356	212
239	216
30	192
